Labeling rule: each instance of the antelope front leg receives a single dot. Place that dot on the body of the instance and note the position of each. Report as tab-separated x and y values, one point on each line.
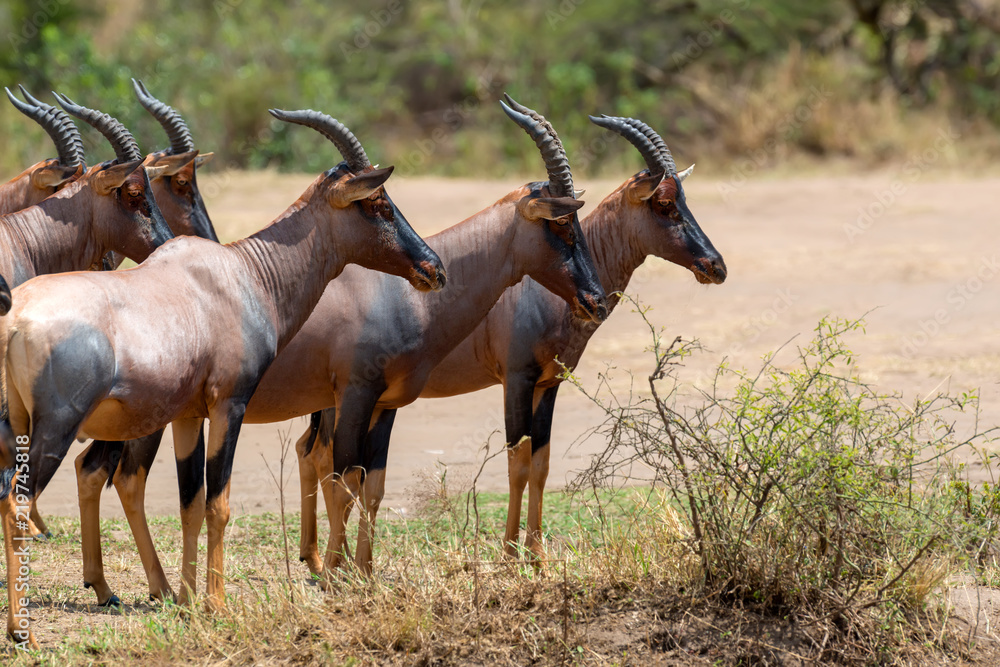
541	433
343	486
130	482
189	451
309	448
92	470
339	492
223	432
40	529
518	400
376	456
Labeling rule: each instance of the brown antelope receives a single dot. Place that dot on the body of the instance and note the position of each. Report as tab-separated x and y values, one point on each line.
110	207
39	181
370	344
517	344
175	190
188	334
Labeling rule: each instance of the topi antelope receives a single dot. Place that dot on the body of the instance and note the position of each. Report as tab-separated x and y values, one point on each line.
518	343
110	207
370	344
188	334
175	190
39	181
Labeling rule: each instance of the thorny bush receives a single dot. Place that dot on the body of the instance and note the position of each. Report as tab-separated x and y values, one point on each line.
806	491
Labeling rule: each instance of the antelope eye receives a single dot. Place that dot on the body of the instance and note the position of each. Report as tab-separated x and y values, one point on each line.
133	193
181	181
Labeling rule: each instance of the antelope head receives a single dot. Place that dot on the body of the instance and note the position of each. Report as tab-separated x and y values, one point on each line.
653	201
125	218
176	186
561	261
353	195
48	176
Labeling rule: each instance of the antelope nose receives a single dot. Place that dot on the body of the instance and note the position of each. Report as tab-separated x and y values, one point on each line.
710	270
719	270
596	307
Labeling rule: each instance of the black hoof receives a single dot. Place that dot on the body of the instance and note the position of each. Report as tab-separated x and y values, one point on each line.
42	537
112	601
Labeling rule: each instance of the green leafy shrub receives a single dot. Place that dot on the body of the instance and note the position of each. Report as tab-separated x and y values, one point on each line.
807	491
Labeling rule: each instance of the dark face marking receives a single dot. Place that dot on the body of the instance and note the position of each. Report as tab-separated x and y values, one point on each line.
394	248
181	204
679	237
571	275
149	230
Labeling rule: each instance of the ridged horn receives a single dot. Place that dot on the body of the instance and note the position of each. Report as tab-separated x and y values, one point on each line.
345	141
126	149
657	140
545	137
646	141
171	121
57	124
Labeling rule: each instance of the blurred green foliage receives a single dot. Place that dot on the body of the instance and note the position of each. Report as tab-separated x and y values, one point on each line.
418	80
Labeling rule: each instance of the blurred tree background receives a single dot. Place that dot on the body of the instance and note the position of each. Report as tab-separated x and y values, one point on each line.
759	81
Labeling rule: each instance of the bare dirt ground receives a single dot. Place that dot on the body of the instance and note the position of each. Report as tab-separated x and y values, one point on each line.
921	255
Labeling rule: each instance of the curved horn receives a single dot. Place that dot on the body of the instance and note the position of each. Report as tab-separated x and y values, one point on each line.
658	141
57	124
345	141
636	133
171	121
126	150
539	129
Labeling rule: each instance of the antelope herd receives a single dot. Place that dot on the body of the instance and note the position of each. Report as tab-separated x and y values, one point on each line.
279	325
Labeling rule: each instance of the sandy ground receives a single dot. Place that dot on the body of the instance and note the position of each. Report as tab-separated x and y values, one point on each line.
920	254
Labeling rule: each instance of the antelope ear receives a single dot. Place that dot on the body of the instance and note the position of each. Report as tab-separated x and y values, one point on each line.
157	171
54	175
547	208
684	174
203	158
359	187
643	187
171	163
112	178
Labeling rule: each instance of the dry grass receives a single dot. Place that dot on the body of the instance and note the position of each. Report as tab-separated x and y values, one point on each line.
622	587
